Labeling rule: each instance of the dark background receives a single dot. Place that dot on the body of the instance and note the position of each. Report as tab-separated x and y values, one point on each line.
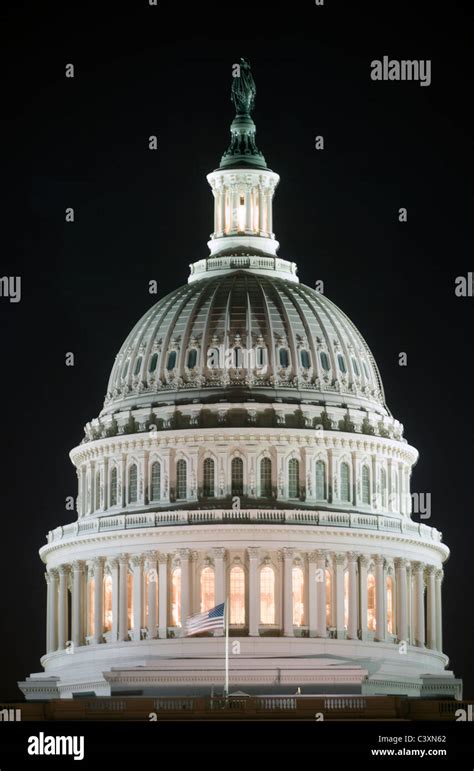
143	215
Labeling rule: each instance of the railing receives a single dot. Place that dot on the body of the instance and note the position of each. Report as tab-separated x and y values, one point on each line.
243	516
345	702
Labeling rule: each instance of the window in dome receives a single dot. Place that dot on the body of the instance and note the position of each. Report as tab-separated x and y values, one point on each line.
237	358
390	604
208	478
237	596
371	605
138	365
266	478
355	367
324	361
305	360
237	473
125	369
298	596
207	589
267	595
320	480
192	358
213	358
171	363
153	363
365	485
366	370
293	478
113	486
284	358
155	486
342	363
176	597
132	483
181	479
345	483
261	357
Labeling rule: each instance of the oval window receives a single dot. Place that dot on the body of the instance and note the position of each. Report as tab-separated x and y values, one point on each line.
192	358
305	362
125	369
284	358
341	362
153	363
355	367
366	370
138	365
324	361
171	363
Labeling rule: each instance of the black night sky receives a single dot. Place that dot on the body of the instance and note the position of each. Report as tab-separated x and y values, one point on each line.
143	215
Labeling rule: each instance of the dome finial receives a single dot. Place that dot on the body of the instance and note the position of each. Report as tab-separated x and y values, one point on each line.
243	88
243	150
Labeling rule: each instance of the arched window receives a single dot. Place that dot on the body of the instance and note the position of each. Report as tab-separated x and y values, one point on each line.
346	599
237	474
284	358
267	595
261	357
181	480
324	361
341	363
213	358
365	485
155	481
371	603
153	363
328	598
293	478
305	360
321	494
107	603
355	367
390	604
125	369
345	482
383	485
97	491
207	589
298	596
138	365
171	363
132	483
113	486
176	597
266	478
130	599
237	596
237	359
90	605
192	358
208	478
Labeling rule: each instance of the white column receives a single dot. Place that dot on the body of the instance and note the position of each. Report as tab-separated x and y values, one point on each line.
184	555
114	574
221	210
439	618
287	553
339	560
261	210
219	578
162	595
137	567
410	608
431	606
234	213
312	615
321	630
49	603
98	563
248	208
402	600
363	565
151	573
63	606
419	605
380	625
254	592
352	627
123	598
269	217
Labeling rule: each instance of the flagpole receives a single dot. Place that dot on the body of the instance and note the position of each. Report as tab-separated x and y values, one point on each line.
226	680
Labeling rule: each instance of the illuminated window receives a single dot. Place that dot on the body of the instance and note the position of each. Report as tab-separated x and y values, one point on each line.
298	596
181	479
192	358
365	484
293	478
237	596
113	486
208	478
346	599
342	363
305	360
130	600
207	589
153	363
171	363
328	598
383	485
324	361
345	482
155	481
132	483
390	604
267	595
108	603
237	474
90	605
284	358
371	603
266	478
320	480
138	365
176	597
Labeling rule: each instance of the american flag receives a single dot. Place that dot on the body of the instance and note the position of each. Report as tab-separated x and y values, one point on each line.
202	622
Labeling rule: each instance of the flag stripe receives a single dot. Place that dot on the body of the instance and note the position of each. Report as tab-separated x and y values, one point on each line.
203	622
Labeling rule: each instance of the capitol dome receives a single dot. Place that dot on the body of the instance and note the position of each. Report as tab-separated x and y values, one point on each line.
244	455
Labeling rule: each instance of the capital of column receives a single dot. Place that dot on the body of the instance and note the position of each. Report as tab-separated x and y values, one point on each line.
339	558
364	561
63	570
78	566
98	562
439	574
47	577
321	556
400	563
287	553
253	552
430	570
137	560
418	567
53	574
184	554
162	558
219	552
113	562
352	556
123	559
194	556
379	560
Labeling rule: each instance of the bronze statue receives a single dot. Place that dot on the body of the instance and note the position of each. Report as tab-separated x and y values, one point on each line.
243	89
